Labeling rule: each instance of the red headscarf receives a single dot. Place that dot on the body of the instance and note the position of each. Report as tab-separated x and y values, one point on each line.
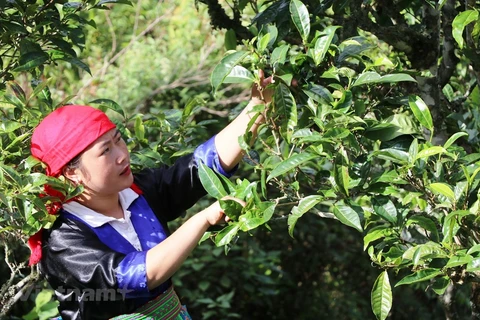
59	138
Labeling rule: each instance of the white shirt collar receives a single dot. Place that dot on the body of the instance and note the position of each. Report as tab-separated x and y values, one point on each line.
95	219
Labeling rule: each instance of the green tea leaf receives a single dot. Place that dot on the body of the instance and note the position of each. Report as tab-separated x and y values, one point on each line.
286	105
223	69
459	260
102	2
300	17
347	216
426	251
139	129
340	171
459	24
385	208
298	211
79	64
371	77
394	155
18	91
413	151
226	235
419	276
440	285
425	223
31	60
232	208
376	233
442	189
230	40
279	54
7	126
421	111
454	138
110	104
474	265
451	225
239	74
381	296
210	181
323	44
289	164
425	153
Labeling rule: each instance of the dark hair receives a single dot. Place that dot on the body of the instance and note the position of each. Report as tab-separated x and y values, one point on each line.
74	163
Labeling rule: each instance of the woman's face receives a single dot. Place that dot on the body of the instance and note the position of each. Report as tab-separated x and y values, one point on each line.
105	165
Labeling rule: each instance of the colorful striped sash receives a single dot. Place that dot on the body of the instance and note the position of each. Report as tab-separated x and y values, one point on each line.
166	306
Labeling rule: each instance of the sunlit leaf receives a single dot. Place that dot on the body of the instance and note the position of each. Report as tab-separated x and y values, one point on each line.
262	42
300	17
442	189
459	260
427	251
376	233
421	111
474	249
347	216
419	276
103	2
454	138
7	126
223	69
210	181
323	44
289	164
381	296
385	208
226	235
279	54
459	24
474	265
298	211
239	74
371	77
425	153
394	155
413	151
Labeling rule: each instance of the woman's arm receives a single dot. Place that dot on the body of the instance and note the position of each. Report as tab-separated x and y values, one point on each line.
226	141
163	260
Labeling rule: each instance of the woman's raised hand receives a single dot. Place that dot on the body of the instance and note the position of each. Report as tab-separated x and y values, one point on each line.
260	92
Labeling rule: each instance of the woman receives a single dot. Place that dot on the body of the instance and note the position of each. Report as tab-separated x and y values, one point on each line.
109	253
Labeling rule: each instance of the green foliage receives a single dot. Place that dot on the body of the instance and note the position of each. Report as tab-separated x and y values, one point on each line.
45	308
332	141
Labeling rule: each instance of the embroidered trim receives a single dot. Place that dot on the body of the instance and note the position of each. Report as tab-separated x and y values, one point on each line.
166	306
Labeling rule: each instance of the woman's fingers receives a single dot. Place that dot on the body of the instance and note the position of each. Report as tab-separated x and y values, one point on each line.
243	203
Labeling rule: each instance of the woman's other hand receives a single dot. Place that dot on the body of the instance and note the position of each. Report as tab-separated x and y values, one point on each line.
215	214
